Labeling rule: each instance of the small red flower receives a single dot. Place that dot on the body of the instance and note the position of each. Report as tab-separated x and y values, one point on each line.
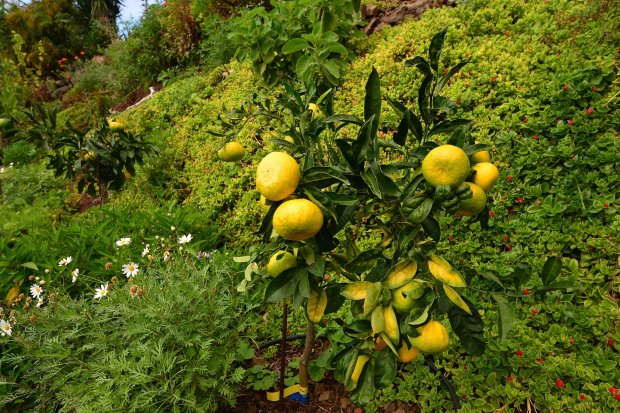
462	260
526	291
82	52
491	214
534	311
519	353
76	57
595	89
506	239
613	390
605	206
571	341
493	79
570	121
565	87
540	361
509	178
451	238
618	397
510	210
510	378
393	81
535	137
327	277
509	246
520	200
165	4
525	120
582	396
610	342
458	102
467	55
590	111
559	383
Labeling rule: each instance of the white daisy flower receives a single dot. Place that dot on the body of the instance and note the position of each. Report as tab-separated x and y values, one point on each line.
101	292
40	302
130	269
36	291
2	170
146	250
166	256
173	228
123	241
75	274
11	165
5	328
65	261
184	239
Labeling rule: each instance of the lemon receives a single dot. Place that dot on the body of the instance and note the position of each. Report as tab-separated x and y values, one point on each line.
486	175
280	262
297	219
231	152
115	126
433	338
380	344
446	165
405	354
277	176
482	156
475	204
404	298
361	361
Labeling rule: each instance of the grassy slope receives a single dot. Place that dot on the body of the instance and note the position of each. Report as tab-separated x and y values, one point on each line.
523	55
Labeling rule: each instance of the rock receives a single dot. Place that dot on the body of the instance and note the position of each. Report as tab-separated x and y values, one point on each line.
389	408
400	410
370	27
358	410
344	402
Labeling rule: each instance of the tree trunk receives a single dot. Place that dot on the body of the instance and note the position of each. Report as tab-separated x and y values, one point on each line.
305	357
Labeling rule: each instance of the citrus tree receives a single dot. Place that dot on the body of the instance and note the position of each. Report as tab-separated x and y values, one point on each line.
322	190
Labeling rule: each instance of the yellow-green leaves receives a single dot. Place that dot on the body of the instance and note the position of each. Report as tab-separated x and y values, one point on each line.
444	272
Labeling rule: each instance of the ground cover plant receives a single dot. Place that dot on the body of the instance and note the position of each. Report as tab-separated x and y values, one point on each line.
541	88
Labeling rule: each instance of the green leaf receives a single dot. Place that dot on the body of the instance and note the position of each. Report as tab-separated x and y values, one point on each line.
413	186
434	50
432	228
454	70
491	277
342	199
521	274
294	45
284	285
372	297
421	64
322	176
423	98
364	392
469	328
245	351
415	126
345	119
400	137
315	371
479	147
421	212
506	314
372	101
385	368
386	185
449	126
372	181
334	298
30	265
337	48
398	107
303	66
551	270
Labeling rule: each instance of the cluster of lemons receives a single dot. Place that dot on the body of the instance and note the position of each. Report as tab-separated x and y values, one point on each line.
469	178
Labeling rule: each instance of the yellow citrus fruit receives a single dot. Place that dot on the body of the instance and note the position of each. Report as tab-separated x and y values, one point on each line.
433	338
486	175
446	165
231	152
405	354
404	298
482	156
380	344
475	204
297	220
115	126
277	176
280	262
361	361
316	111
265	204
90	155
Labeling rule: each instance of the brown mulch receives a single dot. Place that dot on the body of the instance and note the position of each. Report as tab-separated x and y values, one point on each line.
378	18
325	396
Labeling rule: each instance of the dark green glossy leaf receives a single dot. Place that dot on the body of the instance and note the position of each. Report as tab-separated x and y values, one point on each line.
421	64
469	328
385	368
449	126
345	119
434	50
521	275
284	285
342	199
454	70
400	137
479	147
372	101
322	176
347	153
386	185
432	228
551	270
423	98
421	212
491	277
334	298
506	314
372	181
398	107
413	186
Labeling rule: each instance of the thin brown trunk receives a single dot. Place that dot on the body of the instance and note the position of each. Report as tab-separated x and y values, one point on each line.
305	357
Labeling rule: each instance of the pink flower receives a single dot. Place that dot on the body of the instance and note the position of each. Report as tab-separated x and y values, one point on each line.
570	121
491	214
590	111
534	311
520	200
526	292
506	239
613	390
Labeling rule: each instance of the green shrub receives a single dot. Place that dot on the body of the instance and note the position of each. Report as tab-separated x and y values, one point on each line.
164	342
